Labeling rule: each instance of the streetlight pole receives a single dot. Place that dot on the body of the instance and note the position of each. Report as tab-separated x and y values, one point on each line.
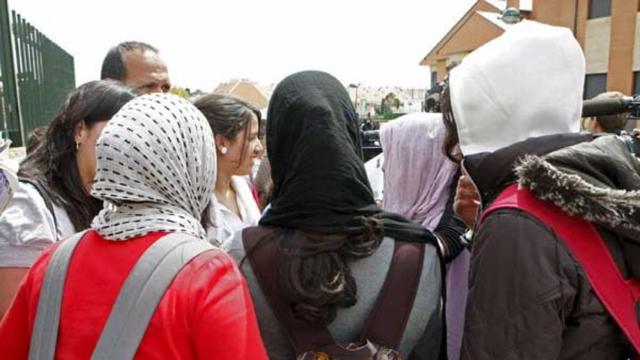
355	100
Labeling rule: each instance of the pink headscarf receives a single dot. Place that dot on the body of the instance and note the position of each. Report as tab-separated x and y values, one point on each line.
417	174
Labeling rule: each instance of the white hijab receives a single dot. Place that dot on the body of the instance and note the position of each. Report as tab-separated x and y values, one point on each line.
526	83
155	169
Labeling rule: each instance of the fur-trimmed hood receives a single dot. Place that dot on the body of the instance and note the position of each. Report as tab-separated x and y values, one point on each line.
598	181
493	171
537	275
595	178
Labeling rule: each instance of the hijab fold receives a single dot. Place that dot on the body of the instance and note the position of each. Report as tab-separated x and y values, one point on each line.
155	169
417	173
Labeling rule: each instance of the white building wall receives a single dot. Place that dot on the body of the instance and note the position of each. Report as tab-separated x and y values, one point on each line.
597	43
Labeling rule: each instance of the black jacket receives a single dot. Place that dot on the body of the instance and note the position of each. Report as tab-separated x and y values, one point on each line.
529	298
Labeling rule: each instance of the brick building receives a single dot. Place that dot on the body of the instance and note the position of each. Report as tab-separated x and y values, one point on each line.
607	30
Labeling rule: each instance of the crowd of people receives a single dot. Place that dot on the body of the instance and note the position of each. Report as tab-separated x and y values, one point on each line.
139	225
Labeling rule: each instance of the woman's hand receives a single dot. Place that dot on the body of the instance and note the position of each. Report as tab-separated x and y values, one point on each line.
467	201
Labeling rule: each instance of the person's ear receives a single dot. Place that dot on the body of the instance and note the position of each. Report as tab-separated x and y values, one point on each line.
222	144
595	126
80	133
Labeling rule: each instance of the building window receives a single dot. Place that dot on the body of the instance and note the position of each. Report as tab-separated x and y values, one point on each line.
594	84
434	78
526	5
636	91
599	8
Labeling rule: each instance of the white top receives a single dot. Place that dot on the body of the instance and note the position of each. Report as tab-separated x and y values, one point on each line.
224	222
8	186
8	179
373	167
27	227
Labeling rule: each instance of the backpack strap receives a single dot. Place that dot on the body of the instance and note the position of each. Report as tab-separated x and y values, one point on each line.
134	306
388	320
620	296
45	196
142	291
45	330
262	252
386	323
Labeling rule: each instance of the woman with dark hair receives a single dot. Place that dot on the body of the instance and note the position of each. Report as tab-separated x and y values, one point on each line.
319	258
235	125
53	199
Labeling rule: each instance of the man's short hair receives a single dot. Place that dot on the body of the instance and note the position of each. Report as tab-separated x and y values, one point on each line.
612	123
113	64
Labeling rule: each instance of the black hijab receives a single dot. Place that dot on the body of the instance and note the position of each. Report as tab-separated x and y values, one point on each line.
320	184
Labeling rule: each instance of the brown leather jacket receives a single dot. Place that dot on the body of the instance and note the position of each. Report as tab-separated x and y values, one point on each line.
529	298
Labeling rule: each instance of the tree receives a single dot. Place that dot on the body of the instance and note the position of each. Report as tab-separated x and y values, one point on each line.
388	104
184	93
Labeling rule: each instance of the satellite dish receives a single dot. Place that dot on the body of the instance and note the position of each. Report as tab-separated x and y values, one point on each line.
511	16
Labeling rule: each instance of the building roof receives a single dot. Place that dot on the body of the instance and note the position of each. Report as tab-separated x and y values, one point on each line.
245	90
496	19
477	26
500	5
224	88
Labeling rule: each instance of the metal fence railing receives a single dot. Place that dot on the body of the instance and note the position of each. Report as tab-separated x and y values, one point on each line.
35	76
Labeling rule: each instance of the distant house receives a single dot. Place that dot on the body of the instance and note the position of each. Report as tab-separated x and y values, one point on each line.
475	28
607	30
369	99
247	91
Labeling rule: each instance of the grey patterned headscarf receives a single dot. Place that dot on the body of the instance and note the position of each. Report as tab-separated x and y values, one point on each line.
156	169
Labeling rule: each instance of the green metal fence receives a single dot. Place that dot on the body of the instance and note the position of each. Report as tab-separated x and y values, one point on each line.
35	73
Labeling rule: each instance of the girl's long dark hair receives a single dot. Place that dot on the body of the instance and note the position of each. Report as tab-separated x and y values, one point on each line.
53	164
314	273
451	140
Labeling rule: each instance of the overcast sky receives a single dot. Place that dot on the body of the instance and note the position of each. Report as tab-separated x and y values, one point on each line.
207	42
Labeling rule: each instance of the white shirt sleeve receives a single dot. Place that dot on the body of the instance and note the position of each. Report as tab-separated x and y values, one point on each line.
8	178
26	228
235	247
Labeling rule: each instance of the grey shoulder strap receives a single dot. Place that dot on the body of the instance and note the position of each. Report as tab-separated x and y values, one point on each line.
141	293
45	331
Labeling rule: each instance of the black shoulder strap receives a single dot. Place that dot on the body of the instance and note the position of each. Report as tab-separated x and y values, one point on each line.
45	196
386	323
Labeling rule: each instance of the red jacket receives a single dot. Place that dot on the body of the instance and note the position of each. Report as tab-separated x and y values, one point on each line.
206	313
